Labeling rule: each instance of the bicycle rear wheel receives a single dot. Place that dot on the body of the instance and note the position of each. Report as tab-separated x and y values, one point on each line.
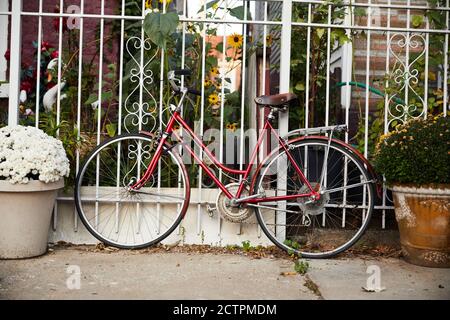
323	228
125	218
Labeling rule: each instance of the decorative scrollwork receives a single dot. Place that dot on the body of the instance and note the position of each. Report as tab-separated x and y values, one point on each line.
140	105
405	78
142	154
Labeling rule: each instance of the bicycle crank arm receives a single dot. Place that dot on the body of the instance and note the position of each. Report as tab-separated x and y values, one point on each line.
248	198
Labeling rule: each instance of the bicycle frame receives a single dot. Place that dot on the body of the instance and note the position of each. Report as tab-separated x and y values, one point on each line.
169	130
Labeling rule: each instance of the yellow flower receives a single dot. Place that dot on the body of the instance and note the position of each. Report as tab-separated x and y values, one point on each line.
235	40
191	28
207	83
148	4
167	1
214	71
232	126
215	6
213	98
269	40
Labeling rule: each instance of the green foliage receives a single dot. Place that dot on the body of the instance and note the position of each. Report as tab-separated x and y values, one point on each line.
417	152
68	134
301	267
160	26
317	62
246	246
415	90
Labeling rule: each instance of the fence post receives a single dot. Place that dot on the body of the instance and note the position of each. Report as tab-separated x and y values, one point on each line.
285	58
283	117
14	66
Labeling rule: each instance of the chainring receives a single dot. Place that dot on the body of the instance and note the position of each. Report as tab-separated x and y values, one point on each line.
233	213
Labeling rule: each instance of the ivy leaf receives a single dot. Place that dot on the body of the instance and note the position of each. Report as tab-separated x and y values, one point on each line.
91	99
111	129
159	26
416	21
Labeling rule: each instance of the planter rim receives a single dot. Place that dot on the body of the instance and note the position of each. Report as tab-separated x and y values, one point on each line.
441	190
31	186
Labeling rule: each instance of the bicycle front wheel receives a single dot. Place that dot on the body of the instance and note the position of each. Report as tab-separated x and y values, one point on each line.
322	228
125	218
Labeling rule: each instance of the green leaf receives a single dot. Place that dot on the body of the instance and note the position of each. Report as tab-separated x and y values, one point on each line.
239	13
111	129
106	96
300	86
359	12
219	47
208	5
91	99
416	21
159	26
320	32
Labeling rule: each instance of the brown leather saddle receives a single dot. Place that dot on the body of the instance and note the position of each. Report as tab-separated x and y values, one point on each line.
277	101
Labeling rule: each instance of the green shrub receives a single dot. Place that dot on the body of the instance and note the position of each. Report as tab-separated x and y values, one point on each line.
417	152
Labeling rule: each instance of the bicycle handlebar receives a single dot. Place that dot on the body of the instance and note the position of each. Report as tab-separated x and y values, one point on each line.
181	72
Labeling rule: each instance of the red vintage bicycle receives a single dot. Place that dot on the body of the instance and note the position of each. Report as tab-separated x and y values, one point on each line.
312	195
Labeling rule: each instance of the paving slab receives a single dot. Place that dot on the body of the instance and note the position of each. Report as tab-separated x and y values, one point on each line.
345	279
175	275
127	275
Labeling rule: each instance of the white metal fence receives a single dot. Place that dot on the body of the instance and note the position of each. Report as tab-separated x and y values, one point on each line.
369	64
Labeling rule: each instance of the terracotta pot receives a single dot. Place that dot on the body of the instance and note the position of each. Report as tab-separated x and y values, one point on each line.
423	216
25	214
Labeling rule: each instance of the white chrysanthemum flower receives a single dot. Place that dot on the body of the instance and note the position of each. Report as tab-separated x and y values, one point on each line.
28	153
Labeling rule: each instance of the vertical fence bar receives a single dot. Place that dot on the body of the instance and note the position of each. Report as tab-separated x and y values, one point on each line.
327	97
141	115
222	106
99	106
183	53
243	93
446	61
80	79
119	116
60	38
407	71
366	111
308	57
38	66
427	43
285	73
263	91
348	93
58	94
202	104
386	107
15	61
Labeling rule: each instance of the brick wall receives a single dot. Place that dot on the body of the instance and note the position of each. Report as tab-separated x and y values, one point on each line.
50	29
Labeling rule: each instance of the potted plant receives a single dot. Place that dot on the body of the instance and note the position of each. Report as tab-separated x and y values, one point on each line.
415	160
32	167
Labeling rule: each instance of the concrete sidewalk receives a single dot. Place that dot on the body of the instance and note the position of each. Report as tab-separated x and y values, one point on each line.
136	275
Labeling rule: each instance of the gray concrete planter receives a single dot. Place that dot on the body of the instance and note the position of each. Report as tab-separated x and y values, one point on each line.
25	214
